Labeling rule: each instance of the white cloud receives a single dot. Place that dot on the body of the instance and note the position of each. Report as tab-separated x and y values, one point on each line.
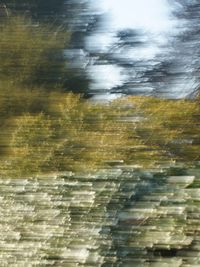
149	15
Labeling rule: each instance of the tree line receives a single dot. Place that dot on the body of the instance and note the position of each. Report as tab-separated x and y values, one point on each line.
45	128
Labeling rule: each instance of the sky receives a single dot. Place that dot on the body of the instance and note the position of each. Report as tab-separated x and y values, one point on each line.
149	15
153	18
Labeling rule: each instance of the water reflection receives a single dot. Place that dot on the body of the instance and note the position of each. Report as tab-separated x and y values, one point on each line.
119	217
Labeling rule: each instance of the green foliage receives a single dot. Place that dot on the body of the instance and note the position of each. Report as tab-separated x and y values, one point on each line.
31	53
16	100
36	7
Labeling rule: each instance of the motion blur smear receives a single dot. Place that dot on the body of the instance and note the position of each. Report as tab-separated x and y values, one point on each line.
99	133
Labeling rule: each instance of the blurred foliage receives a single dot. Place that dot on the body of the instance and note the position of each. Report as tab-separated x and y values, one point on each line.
101	175
170	125
36	7
67	133
45	129
31	53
